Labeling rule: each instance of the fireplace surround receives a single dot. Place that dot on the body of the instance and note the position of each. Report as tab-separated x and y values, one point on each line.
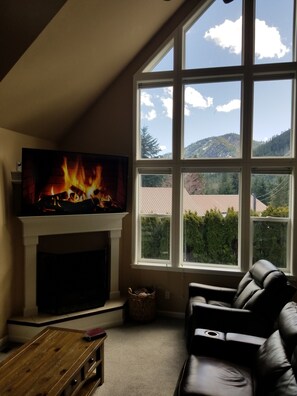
36	226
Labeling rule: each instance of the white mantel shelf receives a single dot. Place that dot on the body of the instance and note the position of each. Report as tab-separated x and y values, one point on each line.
35	226
69	224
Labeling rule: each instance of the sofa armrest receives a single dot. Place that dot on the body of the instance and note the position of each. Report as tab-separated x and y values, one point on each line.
239	348
210	292
207	342
243	348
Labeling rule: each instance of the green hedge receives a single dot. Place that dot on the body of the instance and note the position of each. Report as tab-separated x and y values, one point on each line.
213	238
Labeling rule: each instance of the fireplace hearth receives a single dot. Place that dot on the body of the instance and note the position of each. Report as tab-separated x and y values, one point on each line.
71	282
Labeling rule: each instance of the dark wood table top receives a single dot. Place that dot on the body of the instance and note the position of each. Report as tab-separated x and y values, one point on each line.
47	363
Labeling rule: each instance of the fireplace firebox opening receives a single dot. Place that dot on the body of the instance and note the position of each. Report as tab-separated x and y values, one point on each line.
71	282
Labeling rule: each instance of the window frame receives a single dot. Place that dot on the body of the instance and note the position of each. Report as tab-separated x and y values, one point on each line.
247	73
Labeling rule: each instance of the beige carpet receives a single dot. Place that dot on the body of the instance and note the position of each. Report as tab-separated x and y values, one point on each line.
143	359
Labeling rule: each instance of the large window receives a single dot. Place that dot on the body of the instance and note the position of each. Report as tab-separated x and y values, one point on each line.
215	141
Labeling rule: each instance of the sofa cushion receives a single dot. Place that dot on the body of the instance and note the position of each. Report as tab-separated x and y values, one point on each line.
274	373
272	360
207	376
287	325
258	285
284	385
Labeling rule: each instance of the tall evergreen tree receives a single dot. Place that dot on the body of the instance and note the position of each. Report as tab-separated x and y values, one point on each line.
150	147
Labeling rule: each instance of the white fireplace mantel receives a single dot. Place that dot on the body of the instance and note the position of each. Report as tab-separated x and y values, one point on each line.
35	226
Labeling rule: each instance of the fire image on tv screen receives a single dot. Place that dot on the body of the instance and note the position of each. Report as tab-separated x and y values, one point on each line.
61	182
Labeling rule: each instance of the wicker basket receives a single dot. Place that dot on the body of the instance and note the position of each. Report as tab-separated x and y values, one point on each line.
142	304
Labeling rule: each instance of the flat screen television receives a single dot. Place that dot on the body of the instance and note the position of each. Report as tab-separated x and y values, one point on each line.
60	182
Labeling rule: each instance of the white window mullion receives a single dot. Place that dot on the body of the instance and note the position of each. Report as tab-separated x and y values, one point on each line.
177	149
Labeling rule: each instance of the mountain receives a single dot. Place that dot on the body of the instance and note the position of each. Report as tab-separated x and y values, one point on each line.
277	146
225	146
228	146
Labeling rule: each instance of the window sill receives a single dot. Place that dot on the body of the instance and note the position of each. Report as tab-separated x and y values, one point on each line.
189	269
199	270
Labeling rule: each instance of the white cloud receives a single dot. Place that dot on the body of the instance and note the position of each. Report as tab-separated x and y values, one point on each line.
227	35
187	110
232	105
193	98
167	101
148	111
162	148
167	104
149	115
146	99
269	43
168	91
268	39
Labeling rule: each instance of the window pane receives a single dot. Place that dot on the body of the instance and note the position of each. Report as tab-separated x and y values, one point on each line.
270	241
270	193
270	232
272	118
214	39
161	62
155	209
212	120
156	122
274	31
210	210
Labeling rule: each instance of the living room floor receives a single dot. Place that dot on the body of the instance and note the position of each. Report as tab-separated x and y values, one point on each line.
140	358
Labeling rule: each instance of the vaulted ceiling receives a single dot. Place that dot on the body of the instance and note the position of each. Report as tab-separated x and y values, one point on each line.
58	56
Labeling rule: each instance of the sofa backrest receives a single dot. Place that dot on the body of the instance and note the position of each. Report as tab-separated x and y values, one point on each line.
264	289
276	363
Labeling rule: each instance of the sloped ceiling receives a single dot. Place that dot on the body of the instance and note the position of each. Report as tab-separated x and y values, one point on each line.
60	57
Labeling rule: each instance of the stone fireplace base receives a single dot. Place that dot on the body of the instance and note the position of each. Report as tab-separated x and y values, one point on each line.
22	329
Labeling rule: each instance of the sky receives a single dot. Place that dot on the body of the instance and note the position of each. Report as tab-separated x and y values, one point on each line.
213	109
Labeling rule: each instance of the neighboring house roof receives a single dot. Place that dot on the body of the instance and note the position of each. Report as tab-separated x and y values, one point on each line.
158	200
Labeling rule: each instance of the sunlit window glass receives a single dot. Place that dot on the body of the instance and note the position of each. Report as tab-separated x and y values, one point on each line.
272	118
212	120
155	209
155	122
166	63
210	217
274	31
214	39
270	216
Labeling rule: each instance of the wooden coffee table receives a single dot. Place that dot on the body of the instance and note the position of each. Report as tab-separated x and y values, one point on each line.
55	362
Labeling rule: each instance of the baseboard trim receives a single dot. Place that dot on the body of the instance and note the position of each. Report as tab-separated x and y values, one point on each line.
171	314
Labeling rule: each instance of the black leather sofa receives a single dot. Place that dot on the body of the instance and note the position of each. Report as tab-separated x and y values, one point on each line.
252	308
230	364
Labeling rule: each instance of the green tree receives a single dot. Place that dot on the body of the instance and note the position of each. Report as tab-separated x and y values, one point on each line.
230	247
214	235
155	238
261	188
276	211
194	245
279	196
150	147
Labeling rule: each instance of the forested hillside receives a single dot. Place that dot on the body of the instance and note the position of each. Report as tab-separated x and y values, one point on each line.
228	146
